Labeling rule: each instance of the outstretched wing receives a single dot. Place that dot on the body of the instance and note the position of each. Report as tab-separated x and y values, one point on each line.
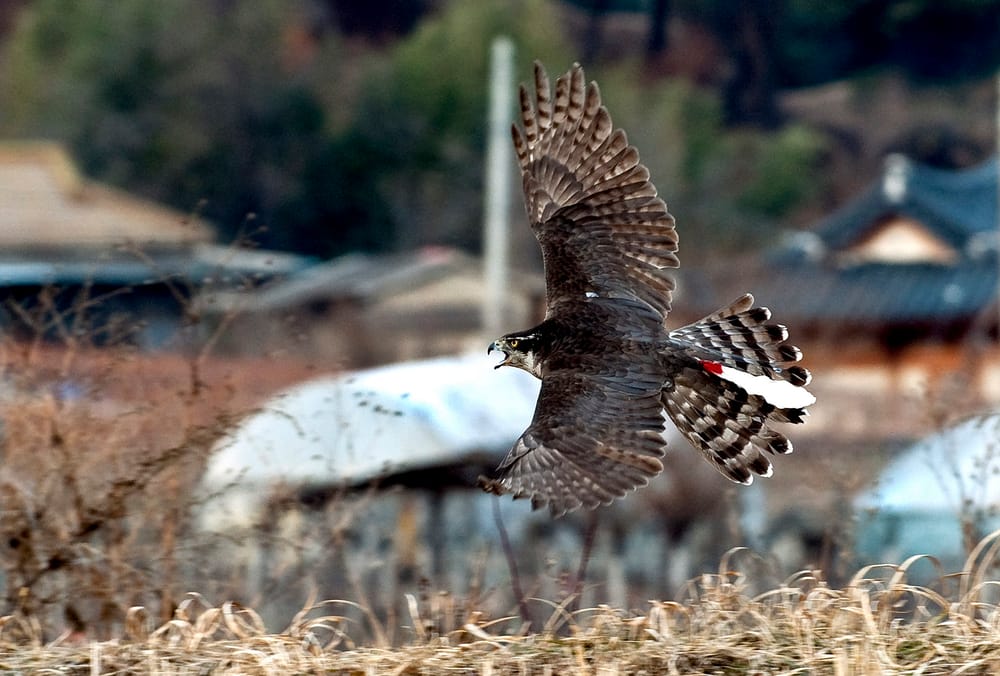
592	439
602	229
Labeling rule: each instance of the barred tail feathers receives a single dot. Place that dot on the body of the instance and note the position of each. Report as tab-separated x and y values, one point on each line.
740	337
730	426
740	378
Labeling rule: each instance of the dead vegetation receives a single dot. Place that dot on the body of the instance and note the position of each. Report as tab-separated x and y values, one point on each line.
99	450
877	624
99	446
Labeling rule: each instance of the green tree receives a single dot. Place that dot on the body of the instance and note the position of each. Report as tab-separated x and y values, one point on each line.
183	102
729	189
425	110
196	104
926	39
192	103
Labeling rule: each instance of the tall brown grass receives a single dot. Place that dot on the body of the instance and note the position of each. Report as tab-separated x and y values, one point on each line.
877	624
99	447
102	446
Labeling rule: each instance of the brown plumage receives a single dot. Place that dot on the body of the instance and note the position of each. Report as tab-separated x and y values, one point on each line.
610	369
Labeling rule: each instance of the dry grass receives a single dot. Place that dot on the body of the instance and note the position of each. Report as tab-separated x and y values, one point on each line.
101	447
877	624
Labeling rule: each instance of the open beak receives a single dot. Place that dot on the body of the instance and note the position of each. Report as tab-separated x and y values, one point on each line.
495	346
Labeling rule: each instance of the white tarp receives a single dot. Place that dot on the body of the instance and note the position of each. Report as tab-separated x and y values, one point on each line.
355	427
942	471
926	497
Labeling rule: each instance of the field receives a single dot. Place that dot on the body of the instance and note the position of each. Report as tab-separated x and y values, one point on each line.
101	576
878	624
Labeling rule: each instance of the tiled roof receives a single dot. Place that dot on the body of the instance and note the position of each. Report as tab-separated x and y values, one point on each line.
216	266
362	277
811	283
957	206
879	292
45	204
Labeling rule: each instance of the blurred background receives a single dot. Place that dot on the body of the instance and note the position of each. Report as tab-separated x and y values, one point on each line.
242	267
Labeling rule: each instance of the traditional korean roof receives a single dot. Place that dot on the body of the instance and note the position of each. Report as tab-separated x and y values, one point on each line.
826	275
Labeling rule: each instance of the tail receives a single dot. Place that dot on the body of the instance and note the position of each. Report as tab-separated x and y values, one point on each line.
734	378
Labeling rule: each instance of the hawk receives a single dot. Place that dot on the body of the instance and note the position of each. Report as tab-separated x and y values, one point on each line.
611	371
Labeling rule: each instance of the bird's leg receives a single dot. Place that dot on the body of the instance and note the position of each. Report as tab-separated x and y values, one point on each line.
589	534
508	551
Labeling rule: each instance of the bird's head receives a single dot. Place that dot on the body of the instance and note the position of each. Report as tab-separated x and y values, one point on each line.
519	350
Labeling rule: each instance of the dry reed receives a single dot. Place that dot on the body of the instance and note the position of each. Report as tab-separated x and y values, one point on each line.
877	624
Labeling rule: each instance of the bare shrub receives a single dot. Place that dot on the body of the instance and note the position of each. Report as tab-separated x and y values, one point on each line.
100	445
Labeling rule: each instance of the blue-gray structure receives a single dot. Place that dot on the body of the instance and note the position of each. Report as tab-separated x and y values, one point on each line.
818	286
153	293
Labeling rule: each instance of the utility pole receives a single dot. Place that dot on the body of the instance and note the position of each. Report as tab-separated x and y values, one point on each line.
496	207
997	253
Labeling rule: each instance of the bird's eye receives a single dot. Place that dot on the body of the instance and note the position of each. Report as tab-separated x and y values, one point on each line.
514	342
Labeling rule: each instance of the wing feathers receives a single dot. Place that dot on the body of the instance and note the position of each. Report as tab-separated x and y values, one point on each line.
609	368
543	100
594	437
583	181
529	120
570	102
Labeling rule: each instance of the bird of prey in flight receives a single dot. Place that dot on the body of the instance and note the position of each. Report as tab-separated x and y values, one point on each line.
610	368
